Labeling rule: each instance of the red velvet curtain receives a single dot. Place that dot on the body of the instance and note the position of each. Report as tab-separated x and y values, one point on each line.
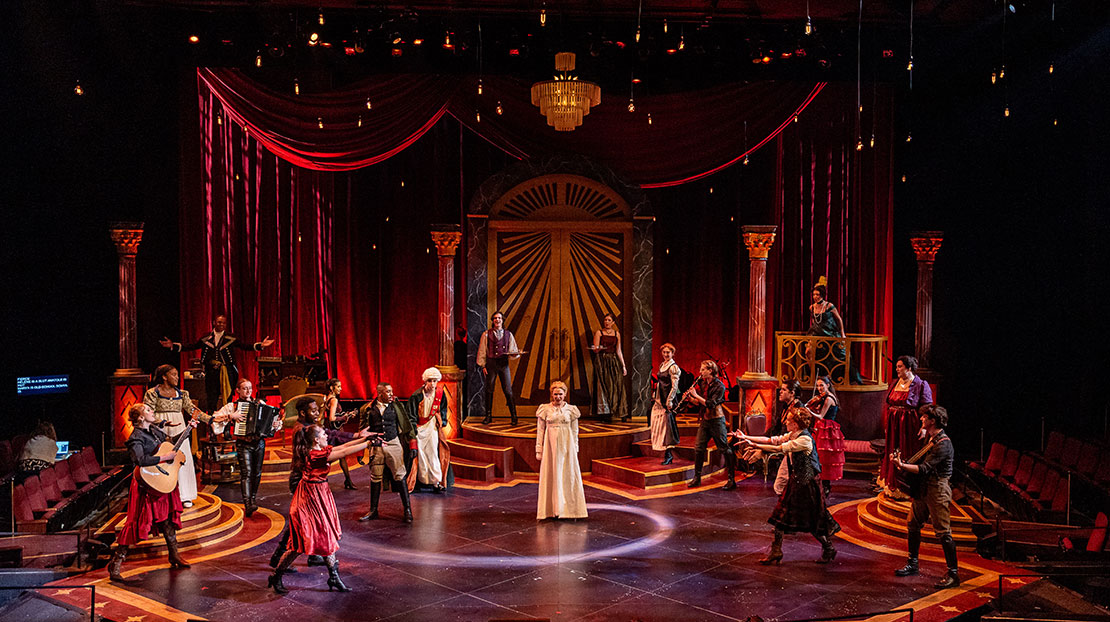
326	256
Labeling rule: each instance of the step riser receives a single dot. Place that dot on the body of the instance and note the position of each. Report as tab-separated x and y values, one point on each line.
474	473
502	458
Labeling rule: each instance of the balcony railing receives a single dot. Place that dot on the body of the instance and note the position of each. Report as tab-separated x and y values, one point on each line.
857	362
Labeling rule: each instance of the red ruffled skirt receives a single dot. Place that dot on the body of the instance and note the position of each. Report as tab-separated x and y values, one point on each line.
313	520
146	508
830	449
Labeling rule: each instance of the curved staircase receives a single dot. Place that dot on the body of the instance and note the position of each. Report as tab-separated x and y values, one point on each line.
886	516
208	522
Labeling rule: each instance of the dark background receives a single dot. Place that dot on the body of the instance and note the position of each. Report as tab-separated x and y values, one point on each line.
1021	304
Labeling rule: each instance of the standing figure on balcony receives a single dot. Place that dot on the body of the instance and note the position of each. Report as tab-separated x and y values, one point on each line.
826	322
902	421
609	372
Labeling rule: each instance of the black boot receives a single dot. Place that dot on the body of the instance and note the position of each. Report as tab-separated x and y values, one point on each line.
246	478
375	495
170	533
347	483
952	579
316	560
488	419
626	418
730	466
282	567
512	417
913	544
403	491
334	582
116	563
775	555
283	544
668	457
699	461
828	551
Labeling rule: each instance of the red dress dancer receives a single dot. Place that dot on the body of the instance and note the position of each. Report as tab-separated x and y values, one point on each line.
902	421
313	520
827	434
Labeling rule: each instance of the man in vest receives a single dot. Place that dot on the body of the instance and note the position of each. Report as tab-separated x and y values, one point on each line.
495	348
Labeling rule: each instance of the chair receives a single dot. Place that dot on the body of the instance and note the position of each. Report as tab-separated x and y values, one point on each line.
21	505
1087	463
1024	473
34	497
76	467
994	460
1072	449
1054	449
757	424
1036	480
291	386
65	478
1010	465
48	480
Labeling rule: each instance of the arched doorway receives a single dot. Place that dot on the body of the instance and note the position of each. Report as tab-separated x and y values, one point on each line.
555	251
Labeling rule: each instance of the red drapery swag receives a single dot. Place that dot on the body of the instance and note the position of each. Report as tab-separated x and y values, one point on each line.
283	239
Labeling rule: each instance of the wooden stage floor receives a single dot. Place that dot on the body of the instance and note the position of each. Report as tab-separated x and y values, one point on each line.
481	555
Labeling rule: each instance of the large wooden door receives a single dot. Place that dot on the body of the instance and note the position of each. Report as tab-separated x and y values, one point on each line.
555	281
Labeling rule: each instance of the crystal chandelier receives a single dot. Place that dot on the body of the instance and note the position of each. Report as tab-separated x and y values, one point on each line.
565	99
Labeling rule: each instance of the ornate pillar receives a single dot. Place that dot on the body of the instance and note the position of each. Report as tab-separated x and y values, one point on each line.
446	239
925	246
759	386
128	382
127	236
758	239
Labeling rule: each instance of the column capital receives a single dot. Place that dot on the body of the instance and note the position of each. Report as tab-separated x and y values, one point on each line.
127	236
446	239
926	244
759	239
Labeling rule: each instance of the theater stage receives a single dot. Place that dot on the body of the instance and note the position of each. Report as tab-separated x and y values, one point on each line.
481	555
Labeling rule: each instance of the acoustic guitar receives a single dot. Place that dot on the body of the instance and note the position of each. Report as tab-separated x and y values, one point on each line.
163	476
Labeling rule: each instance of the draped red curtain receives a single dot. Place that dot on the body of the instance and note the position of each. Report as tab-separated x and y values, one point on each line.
297	237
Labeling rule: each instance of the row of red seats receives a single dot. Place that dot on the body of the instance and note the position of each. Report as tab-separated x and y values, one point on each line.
43	501
1037	487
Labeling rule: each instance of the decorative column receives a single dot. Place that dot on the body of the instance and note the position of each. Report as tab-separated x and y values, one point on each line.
446	239
759	386
925	246
128	382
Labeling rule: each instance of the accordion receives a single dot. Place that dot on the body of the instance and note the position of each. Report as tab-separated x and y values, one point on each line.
258	420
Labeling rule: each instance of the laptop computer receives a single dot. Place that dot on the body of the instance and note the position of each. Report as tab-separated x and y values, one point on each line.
63	450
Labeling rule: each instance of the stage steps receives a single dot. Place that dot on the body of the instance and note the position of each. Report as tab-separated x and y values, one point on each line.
208	522
500	456
476	471
883	515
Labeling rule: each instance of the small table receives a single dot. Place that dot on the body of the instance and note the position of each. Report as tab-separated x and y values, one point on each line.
219	462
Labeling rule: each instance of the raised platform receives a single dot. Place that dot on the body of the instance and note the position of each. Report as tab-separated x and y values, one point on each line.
596	440
883	515
208	522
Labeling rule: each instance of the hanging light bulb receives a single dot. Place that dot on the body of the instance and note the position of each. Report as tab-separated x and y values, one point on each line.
219	119
296	87
1051	68
746	160
795	118
664	26
500	110
1006	112
809	26
479	86
258	60
320	122
637	34
478	116
859	144
649	118
543	14
1055	122
369	106
78	90
320	18
994	77
313	38
682	42
909	66
360	120
631	105
1002	72
903	178
909	137
872	141
402	185
447	41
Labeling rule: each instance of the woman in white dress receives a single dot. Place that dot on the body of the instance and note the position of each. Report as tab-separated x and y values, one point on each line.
561	492
173	405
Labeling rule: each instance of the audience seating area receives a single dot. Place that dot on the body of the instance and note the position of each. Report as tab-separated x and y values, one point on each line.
1038	486
56	498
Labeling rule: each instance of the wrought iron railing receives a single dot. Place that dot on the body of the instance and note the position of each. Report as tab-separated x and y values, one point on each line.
854	363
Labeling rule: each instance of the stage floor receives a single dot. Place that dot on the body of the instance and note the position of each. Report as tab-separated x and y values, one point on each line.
481	555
